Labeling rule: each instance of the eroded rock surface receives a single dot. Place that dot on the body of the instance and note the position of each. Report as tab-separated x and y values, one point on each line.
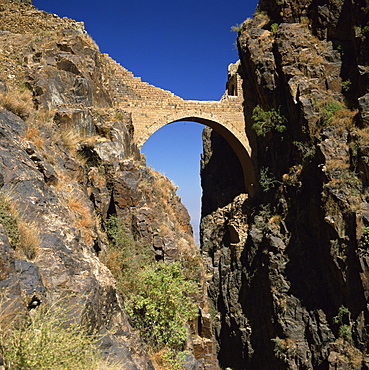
278	285
68	162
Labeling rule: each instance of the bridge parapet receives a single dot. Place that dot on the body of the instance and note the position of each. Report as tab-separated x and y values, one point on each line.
152	108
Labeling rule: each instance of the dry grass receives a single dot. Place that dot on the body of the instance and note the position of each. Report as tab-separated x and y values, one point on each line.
72	197
81	158
112	259
166	190
335	113
344	119
19	103
64	180
276	219
165	228
71	140
34	135
158	360
363	136
29	241
47	339
83	217
348	353
97	177
167	359
23	234
337	164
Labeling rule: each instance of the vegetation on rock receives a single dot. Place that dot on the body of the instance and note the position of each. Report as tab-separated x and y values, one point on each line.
69	161
158	297
267	180
23	235
265	121
46	338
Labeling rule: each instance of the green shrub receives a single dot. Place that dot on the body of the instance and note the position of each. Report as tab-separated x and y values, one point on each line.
284	348
328	111
124	256
363	29
119	116
307	150
263	216
267	181
158	296
117	233
160	306
236	28
279	346
342	312
344	330
274	28
346	85
265	121
45	340
174	360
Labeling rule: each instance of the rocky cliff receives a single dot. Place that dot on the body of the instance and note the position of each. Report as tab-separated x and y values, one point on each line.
288	267
68	164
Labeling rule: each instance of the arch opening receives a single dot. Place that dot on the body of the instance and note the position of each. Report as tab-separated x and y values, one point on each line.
175	151
239	149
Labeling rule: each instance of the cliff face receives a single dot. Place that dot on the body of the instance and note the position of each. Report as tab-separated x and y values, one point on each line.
289	267
68	163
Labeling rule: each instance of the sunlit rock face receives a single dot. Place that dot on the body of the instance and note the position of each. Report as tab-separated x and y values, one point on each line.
287	267
68	162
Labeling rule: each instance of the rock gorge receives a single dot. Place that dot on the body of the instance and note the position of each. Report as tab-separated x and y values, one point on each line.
286	264
283	272
68	163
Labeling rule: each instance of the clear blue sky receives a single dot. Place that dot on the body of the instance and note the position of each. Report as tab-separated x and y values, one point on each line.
182	46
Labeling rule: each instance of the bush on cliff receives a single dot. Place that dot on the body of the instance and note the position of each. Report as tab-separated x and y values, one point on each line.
161	306
158	296
46	340
265	121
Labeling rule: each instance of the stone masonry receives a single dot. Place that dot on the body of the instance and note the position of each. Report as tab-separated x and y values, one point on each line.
152	108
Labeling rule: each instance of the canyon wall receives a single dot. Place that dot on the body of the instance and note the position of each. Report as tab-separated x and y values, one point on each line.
288	267
68	164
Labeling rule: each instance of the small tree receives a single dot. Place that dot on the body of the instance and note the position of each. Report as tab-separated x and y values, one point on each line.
265	121
344	331
161	304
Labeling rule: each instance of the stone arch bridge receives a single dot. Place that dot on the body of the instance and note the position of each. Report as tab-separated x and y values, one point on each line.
152	108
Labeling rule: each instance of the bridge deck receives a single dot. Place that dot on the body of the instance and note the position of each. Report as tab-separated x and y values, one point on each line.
152	108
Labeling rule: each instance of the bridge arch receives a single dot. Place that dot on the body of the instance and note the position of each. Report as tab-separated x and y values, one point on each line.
223	128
